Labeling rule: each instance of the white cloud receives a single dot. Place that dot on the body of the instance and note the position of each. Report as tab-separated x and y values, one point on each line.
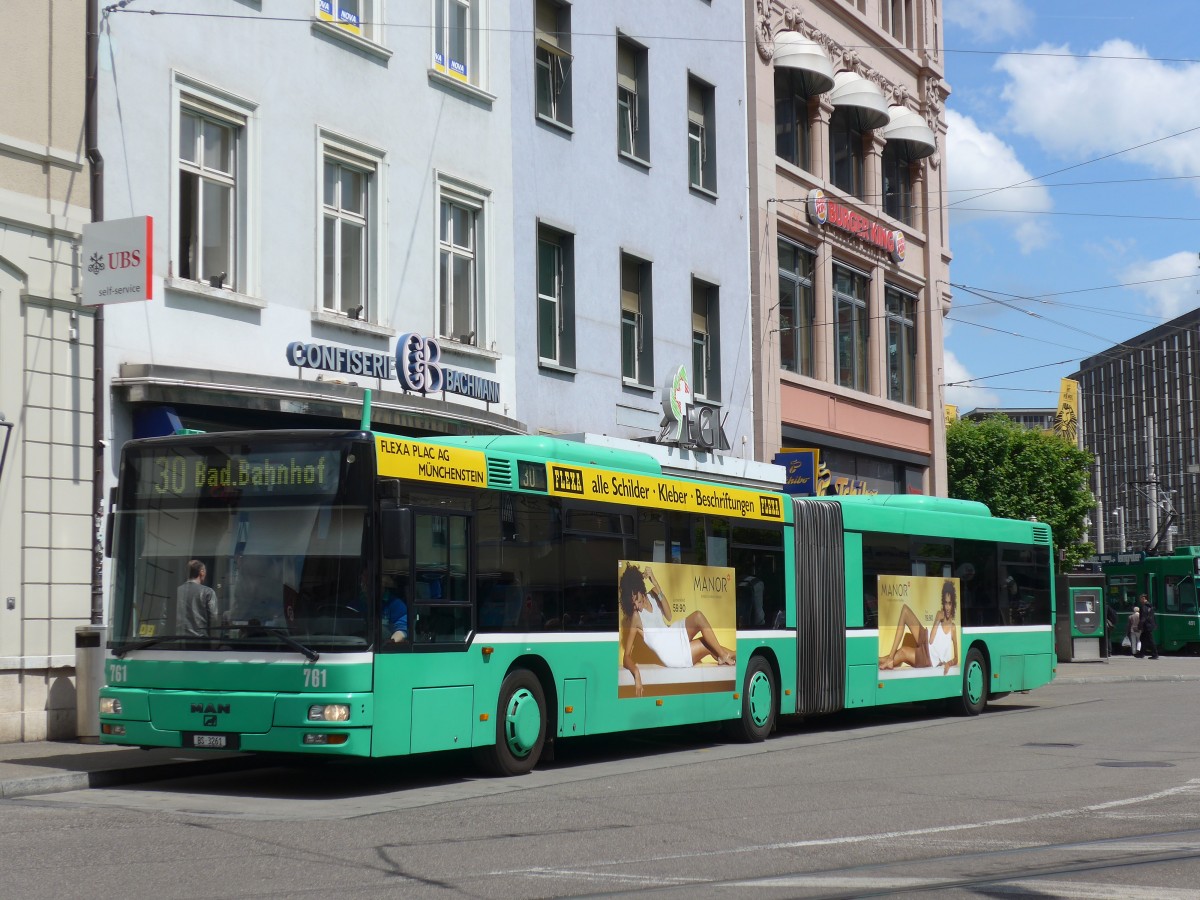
988	19
978	162
1167	299
966	398
1082	107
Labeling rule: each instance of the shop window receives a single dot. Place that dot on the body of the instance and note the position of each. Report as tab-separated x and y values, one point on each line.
795	308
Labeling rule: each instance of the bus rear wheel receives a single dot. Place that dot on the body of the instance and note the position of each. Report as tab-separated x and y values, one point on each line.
520	726
975	684
758	704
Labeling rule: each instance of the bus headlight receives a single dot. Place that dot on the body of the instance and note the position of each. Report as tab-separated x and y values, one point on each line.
110	706
329	712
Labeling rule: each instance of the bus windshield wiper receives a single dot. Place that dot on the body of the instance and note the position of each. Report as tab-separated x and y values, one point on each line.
120	651
309	654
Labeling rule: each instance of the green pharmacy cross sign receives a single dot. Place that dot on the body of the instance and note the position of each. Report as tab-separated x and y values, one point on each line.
686	423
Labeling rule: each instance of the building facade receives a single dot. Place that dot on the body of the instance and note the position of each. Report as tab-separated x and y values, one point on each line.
630	234
849	240
45	371
322	187
1027	417
1140	415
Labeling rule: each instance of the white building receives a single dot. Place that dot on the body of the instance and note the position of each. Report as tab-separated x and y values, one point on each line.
332	174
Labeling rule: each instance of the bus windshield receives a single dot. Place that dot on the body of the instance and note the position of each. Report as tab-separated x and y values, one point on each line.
223	546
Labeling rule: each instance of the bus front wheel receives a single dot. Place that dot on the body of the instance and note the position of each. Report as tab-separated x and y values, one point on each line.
758	704
520	726
975	683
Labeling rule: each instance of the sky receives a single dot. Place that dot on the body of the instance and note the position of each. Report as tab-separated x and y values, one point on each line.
1073	162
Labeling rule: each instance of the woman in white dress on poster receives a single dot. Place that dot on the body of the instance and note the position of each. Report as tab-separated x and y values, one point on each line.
678	644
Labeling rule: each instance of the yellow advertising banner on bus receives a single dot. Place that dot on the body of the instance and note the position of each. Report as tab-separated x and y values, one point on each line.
400	458
920	631
662	493
677	629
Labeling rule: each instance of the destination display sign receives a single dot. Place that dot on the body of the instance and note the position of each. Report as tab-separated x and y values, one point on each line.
663	493
183	473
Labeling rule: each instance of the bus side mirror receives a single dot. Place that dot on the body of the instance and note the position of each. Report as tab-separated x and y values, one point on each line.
396	532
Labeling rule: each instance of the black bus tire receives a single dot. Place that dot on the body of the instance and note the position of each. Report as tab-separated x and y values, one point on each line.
758	704
520	726
975	684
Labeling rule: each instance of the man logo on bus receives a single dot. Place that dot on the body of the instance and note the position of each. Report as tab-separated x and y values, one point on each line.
567	481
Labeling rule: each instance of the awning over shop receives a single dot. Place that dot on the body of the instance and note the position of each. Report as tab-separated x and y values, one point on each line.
804	61
909	133
860	97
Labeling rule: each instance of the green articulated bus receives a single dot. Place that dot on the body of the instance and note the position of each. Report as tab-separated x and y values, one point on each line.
365	595
1169	581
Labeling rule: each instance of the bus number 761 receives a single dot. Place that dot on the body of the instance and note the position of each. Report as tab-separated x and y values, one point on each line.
316	678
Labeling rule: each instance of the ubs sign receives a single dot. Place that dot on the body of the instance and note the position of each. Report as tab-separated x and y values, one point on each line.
685	424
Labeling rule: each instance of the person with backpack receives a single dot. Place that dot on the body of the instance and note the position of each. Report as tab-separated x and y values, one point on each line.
1148	623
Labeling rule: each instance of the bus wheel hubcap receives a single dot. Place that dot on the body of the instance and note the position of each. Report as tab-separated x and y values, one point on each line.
975	682
758	692
522	722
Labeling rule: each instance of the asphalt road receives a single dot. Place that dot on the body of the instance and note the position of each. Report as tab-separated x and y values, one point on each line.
1075	790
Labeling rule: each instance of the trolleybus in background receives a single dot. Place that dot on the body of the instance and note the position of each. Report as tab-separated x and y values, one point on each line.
1169	580
547	588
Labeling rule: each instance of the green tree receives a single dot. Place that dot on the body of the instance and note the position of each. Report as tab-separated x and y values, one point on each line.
1018	473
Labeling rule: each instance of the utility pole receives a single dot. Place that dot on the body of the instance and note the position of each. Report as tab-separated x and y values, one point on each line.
1119	512
1152	477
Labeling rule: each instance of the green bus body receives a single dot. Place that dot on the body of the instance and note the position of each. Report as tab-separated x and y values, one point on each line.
1170	583
471	674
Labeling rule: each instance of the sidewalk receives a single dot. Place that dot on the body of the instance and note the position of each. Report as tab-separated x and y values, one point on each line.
46	767
1130	668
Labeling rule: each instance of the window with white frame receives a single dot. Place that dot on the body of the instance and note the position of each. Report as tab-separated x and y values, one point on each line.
460	266
556	297
901	309
553	61
457	38
702	161
351	15
706	341
795	308
210	212
852	324
633	124
345	236
636	321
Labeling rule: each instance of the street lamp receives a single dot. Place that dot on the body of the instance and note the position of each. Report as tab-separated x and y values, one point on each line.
1119	513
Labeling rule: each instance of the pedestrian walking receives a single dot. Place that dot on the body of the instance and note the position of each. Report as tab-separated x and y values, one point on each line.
1135	631
1148	623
